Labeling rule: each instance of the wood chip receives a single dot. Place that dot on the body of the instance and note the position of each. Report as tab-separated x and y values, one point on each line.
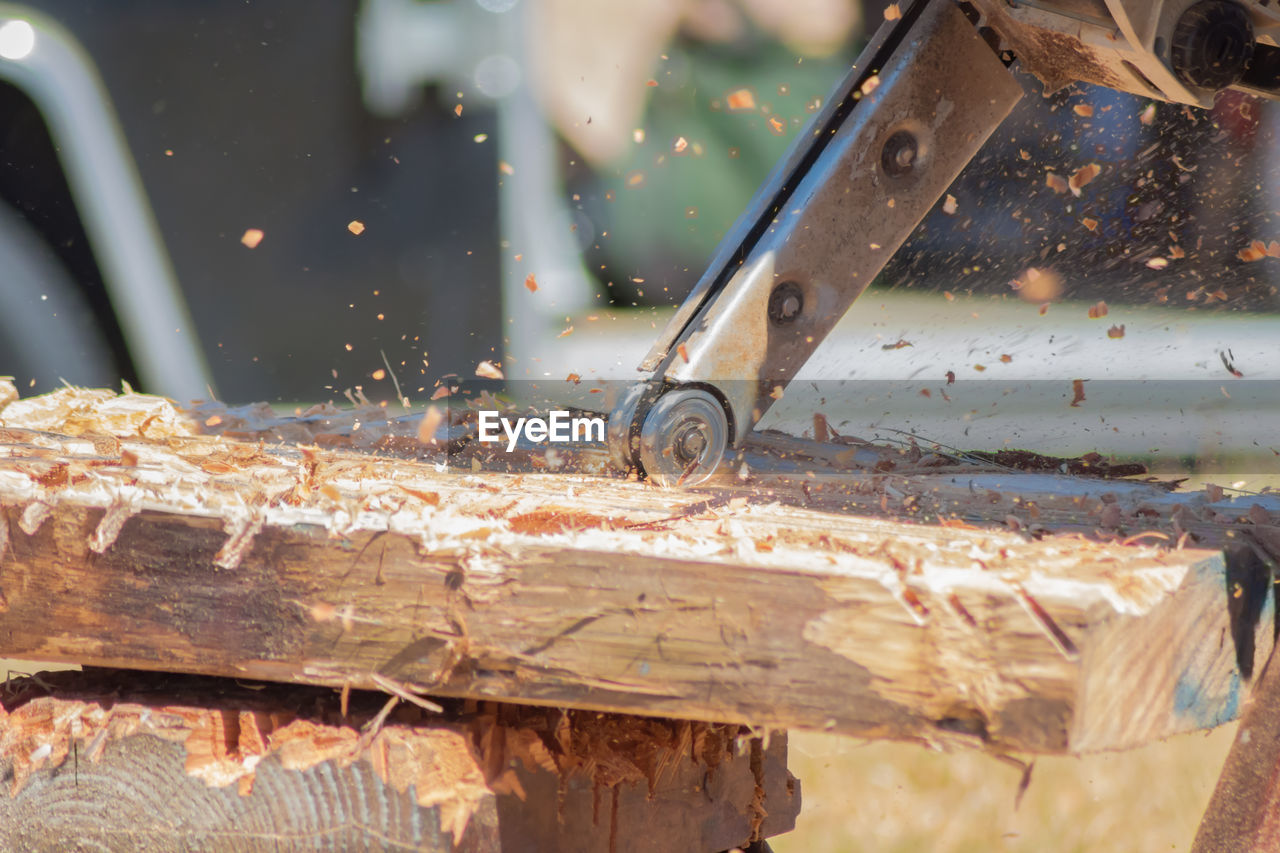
431	420
1255	251
488	370
741	99
821	432
1082	176
252	237
356	227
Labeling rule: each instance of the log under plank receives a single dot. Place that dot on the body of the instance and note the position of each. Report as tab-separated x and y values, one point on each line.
767	603
111	760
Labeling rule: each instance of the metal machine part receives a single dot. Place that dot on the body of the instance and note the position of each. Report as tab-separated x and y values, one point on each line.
919	103
683	437
1183	51
43	60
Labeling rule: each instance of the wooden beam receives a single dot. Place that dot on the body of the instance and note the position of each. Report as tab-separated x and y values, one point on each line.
124	761
1032	612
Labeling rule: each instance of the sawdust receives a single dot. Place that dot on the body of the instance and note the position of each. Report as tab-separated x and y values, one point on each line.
97	411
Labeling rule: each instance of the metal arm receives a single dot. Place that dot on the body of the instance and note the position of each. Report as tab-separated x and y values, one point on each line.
920	102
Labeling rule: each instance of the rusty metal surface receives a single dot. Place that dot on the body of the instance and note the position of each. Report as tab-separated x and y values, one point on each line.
1244	812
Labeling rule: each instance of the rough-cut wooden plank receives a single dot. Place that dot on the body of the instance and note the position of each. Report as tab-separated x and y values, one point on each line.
118	761
764	603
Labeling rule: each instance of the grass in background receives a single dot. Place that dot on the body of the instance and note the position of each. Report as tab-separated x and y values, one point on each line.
894	798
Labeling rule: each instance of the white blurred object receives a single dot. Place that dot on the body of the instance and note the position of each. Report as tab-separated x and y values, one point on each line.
44	61
17	40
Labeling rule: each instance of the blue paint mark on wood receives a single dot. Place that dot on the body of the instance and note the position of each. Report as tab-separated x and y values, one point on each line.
1206	708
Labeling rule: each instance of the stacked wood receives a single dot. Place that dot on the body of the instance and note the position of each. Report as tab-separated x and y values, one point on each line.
124	761
837	587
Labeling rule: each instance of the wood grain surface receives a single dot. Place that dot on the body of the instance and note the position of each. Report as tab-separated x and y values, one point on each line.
920	599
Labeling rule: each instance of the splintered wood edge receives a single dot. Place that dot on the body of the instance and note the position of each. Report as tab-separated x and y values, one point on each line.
833	622
458	767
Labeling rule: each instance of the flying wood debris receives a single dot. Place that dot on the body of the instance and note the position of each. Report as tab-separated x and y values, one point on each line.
1228	361
741	99
430	423
1083	176
488	370
1257	250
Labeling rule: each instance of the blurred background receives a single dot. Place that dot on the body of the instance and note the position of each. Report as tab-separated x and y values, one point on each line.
283	200
287	202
